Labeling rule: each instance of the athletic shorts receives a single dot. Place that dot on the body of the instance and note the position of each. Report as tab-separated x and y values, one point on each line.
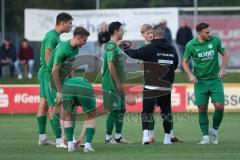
78	96
41	80
50	92
112	100
204	89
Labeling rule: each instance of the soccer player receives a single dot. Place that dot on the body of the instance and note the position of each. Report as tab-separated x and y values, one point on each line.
112	84
75	92
50	41
62	61
160	61
207	78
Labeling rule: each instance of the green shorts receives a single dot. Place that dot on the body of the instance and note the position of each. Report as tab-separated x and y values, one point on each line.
78	92
41	80
51	93
112	100
204	89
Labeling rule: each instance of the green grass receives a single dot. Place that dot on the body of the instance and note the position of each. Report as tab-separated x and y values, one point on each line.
19	141
92	77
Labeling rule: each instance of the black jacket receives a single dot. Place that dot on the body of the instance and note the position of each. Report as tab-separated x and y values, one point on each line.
160	62
184	35
103	37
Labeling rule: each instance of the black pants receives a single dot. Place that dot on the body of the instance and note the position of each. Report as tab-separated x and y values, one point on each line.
161	99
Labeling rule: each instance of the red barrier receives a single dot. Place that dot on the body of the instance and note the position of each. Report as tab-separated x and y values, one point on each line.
25	98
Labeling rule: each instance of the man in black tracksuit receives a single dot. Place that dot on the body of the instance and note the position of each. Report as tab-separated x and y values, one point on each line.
160	62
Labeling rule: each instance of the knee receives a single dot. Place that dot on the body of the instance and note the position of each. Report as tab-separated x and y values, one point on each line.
31	62
16	63
219	106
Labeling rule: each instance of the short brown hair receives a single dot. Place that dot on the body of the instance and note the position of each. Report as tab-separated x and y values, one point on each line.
63	17
80	31
201	26
145	28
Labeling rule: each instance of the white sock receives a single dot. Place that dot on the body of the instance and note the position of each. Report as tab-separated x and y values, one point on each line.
59	140
214	131
151	133
88	145
118	135
171	134
108	137
70	144
42	136
74	139
145	133
206	137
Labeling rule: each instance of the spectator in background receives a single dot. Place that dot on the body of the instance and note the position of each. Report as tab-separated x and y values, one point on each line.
7	56
103	38
167	32
25	60
184	35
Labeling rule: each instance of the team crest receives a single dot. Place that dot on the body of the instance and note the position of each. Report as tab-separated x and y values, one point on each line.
210	46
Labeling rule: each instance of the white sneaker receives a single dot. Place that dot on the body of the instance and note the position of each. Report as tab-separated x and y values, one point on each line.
213	137
205	140
30	76
151	136
20	76
88	149
45	141
71	149
110	141
145	140
167	139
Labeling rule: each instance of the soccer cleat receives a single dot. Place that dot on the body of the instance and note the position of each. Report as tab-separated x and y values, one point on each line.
145	140
45	141
123	141
110	141
175	139
88	149
205	140
151	139
213	137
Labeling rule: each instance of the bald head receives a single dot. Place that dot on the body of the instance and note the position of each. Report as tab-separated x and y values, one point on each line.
158	31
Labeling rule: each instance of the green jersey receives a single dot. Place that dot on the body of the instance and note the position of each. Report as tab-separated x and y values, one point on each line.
50	41
65	57
112	54
205	57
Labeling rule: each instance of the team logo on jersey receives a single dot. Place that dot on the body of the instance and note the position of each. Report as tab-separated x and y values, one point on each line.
210	46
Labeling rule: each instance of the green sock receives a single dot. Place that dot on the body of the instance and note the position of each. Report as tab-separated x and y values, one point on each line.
89	134
110	122
52	125
203	122
119	121
57	125
217	118
42	121
69	133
